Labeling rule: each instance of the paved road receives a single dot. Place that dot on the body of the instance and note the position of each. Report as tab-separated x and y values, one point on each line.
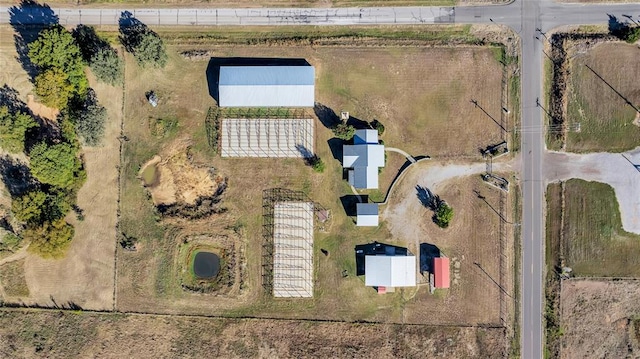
208	16
524	16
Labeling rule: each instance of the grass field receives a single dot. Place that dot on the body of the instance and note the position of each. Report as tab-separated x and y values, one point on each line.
381	83
594	243
85	276
31	334
12	279
606	121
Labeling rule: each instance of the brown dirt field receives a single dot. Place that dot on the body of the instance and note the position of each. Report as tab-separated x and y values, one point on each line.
31	334
471	238
599	318
85	276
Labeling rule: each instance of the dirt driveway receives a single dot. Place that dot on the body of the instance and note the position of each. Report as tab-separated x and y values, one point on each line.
615	169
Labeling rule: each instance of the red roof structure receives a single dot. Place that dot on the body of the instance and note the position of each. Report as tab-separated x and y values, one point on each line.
441	272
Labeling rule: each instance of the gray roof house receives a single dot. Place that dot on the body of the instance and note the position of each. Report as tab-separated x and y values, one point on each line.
266	86
364	158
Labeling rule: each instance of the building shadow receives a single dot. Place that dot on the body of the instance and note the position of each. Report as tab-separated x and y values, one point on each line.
349	203
213	68
326	115
428	252
373	249
28	19
358	124
335	145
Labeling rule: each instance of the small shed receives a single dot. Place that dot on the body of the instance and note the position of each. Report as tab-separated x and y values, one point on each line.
441	272
367	214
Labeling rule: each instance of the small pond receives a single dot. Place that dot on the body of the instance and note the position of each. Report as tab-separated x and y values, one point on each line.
206	264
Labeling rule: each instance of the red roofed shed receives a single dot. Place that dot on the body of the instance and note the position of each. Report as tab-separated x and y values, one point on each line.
441	272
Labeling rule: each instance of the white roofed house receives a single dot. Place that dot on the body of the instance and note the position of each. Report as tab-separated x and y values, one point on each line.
363	158
390	271
266	86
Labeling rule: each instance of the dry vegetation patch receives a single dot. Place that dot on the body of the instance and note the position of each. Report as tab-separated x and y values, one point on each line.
29	334
600	318
12	279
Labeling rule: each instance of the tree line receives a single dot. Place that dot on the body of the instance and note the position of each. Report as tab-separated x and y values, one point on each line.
54	150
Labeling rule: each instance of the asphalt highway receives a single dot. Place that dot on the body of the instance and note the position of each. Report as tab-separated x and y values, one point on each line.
528	18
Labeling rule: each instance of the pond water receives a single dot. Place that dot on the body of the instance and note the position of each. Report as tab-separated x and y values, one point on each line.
149	175
206	265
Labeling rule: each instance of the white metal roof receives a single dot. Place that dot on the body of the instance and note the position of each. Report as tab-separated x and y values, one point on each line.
390	271
293	249
367	214
364	155
266	86
267	138
365	136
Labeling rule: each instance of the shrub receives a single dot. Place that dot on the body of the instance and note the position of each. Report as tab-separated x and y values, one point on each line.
377	125
344	132
444	215
317	164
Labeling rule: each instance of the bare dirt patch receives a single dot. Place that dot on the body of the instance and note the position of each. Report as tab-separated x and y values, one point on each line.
174	178
599	318
65	334
41	110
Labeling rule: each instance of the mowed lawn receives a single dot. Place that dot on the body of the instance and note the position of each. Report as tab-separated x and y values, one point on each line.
605	119
594	243
420	94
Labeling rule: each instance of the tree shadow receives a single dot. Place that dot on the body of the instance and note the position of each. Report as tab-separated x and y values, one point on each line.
335	145
213	68
428	252
28	19
10	97
16	176
326	115
616	27
88	41
427	198
358	124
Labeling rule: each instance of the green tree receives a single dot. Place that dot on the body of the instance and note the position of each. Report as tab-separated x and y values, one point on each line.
29	207
378	126
444	215
13	128
89	119
50	240
145	45
54	88
56	48
10	242
37	207
344	131
57	165
316	163
150	50
108	66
